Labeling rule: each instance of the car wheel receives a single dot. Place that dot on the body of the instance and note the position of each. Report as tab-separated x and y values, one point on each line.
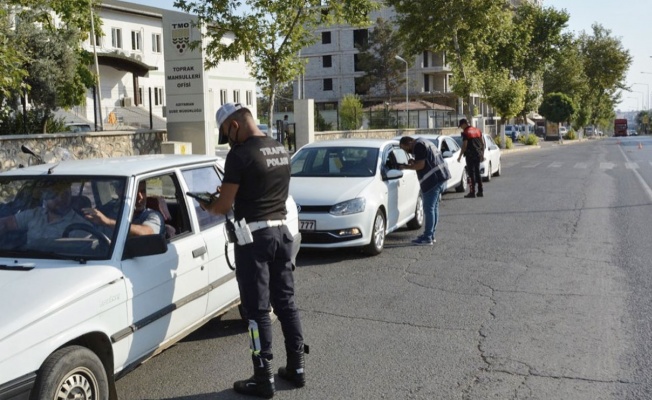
499	171
488	177
377	241
417	221
72	372
463	183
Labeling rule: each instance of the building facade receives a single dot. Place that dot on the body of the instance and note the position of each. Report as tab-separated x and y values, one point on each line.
131	65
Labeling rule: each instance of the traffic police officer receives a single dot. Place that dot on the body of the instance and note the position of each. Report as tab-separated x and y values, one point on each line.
256	184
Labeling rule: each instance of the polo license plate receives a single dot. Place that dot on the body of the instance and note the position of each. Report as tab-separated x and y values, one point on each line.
307	225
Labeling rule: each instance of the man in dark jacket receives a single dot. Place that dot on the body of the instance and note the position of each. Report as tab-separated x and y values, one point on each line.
433	174
473	149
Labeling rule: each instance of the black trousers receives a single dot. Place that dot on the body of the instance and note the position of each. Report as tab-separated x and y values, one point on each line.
473	170
264	274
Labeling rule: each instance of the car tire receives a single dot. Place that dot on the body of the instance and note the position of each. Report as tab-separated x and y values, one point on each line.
463	185
488	177
378	230
73	370
417	221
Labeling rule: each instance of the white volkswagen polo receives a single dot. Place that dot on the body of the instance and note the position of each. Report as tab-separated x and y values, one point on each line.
82	304
350	193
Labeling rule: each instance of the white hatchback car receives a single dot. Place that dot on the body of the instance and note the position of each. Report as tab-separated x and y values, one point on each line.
81	304
491	166
350	193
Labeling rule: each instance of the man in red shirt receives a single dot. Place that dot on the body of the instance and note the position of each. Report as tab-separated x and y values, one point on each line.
473	149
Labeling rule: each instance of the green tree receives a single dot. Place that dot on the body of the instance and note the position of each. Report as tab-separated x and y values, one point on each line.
606	63
270	34
557	107
54	69
351	112
383	72
468	29
505	94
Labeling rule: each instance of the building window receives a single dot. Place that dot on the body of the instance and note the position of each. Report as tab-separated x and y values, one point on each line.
141	93
425	59
158	96
325	37
327	61
361	86
356	63
360	37
116	38
156	42
135	40
223	97
236	96
249	97
328	84
96	40
426	83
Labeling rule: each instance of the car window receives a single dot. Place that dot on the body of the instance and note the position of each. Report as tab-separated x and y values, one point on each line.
395	157
452	146
165	196
204	179
458	140
29	202
335	162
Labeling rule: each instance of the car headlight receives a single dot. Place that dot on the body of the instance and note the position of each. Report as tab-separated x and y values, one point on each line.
349	207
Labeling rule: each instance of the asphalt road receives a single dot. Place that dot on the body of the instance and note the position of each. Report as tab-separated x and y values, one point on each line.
540	290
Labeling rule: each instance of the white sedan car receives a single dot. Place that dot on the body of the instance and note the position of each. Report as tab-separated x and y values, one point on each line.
450	150
491	166
81	305
350	193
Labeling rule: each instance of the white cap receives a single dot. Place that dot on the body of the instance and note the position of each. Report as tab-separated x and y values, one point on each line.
225	111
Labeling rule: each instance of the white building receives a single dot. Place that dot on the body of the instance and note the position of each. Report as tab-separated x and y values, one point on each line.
331	70
130	52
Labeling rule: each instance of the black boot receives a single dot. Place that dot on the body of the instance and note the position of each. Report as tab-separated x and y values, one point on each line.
294	371
261	384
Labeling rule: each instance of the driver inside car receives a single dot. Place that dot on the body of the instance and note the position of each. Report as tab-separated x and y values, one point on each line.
49	221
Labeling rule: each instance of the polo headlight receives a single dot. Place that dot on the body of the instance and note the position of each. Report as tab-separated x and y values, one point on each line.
349	207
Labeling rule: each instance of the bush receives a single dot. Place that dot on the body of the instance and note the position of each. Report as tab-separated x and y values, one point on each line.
530	140
571	135
508	142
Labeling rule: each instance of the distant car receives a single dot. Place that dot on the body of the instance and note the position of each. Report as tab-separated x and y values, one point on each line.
78	127
265	129
589	131
563	130
351	193
632	132
450	150
83	304
513	132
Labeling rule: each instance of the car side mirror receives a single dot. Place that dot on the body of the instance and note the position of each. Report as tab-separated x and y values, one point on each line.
447	154
141	246
393	174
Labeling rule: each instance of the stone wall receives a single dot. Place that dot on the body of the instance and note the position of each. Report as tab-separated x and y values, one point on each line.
382	133
61	146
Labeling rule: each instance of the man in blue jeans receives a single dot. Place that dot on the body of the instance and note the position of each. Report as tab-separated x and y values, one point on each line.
433	174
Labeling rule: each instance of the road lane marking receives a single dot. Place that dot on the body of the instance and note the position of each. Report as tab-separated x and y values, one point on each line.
607	165
532	165
644	184
581	165
631	165
555	165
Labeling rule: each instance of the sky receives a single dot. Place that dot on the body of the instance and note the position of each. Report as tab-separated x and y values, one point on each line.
619	16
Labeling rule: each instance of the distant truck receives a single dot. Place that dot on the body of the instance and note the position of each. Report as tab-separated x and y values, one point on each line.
620	127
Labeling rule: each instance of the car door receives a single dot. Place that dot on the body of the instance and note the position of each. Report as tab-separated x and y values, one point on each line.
166	292
223	288
402	192
456	168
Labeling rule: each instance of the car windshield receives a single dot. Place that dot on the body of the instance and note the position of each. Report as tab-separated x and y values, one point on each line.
458	140
43	216
335	162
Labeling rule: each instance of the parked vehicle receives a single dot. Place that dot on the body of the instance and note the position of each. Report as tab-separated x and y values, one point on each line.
563	131
83	307
78	127
513	132
351	193
265	129
450	150
491	166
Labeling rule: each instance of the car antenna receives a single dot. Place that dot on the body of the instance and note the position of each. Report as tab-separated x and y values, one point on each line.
52	168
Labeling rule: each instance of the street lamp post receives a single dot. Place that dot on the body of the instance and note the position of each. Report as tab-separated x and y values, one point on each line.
648	93
406	89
